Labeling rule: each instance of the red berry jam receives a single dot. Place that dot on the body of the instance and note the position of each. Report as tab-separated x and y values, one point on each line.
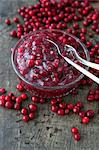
39	64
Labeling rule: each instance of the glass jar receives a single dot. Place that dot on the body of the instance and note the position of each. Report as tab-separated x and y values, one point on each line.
40	68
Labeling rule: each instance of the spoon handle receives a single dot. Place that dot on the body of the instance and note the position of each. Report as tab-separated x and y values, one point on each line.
83	61
81	69
87	63
78	67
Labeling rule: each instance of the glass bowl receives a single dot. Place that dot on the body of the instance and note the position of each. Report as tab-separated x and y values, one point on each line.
48	85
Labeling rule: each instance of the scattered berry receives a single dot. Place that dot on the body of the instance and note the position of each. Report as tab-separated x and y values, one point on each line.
20	87
7	98
33	107
74	130
13	33
8	21
32	115
2	90
90	113
9	105
53	102
19	100
85	120
77	137
24	111
54	108
61	112
24	96
16	19
2	102
42	100
35	99
25	118
17	106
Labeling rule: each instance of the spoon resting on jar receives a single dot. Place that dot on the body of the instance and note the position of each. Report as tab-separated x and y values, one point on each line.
78	67
83	61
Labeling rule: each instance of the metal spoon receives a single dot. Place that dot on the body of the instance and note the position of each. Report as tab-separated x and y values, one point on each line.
83	61
78	67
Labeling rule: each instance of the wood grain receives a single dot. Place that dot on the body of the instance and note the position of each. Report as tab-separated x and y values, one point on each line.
48	131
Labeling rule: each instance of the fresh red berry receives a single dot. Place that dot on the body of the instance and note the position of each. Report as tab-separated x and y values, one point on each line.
70	106
33	107
24	96
2	90
76	109
19	34
2	97
20	87
67	111
92	92
94	17
89	44
77	137
13	98
32	115
97	92
19	99
42	100
13	33
97	97
16	20
54	108
10	94
9	105
2	102
79	104
7	98
91	98
90	113
82	114
84	30
17	106
85	120
61	112
53	102
35	99
59	100
24	111
25	118
74	130
62	105
76	26
8	21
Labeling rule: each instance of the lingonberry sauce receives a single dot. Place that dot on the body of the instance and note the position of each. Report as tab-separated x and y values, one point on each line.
38	61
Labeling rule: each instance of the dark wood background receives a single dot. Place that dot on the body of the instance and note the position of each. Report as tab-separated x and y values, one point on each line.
48	131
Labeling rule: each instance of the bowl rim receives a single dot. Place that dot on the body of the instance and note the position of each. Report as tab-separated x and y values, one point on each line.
49	87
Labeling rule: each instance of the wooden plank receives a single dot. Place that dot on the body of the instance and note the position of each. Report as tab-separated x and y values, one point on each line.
47	131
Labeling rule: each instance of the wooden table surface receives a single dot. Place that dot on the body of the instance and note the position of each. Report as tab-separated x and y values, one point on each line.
48	131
